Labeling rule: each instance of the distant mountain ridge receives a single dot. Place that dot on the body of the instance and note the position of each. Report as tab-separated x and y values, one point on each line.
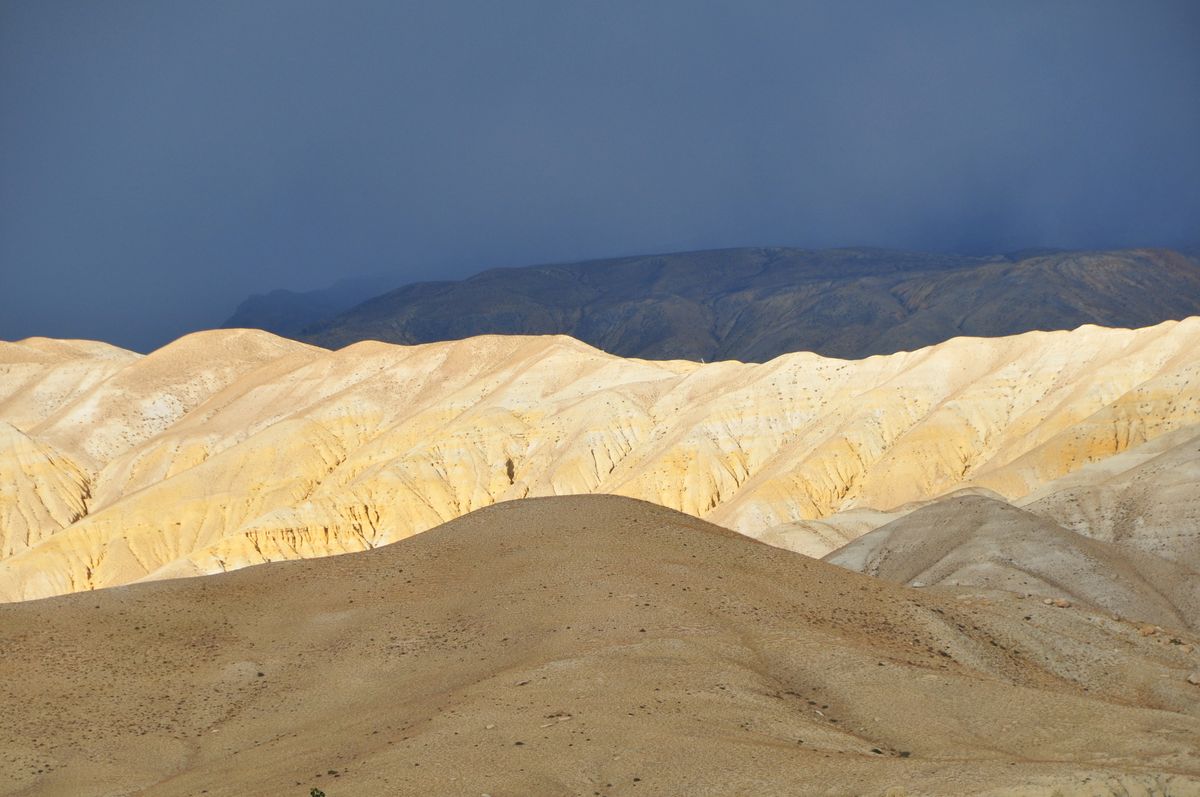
287	313
755	304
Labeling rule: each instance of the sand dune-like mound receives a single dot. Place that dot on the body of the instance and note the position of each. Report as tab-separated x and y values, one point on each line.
583	645
976	541
150	394
234	447
39	375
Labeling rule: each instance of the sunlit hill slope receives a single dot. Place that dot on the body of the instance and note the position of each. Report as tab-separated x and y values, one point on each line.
235	447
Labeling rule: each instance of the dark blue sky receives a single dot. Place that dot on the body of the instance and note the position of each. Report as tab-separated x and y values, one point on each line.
160	160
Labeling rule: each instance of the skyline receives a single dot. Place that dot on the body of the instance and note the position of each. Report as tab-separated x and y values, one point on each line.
164	161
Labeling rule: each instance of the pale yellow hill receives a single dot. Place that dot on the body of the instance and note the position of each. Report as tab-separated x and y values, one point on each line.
585	645
41	492
39	375
232	448
148	395
1147	498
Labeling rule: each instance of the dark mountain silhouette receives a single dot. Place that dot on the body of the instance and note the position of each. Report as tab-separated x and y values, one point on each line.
286	313
755	304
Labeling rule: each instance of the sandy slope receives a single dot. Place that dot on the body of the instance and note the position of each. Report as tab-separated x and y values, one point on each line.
587	645
817	538
39	375
153	392
976	541
1147	498
230	448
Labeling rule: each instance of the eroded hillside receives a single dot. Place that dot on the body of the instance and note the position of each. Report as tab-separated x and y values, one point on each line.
235	447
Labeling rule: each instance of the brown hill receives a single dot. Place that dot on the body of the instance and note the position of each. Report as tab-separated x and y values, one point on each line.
588	645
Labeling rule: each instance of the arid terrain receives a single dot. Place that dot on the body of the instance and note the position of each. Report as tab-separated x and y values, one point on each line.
585	645
534	399
236	447
1022	513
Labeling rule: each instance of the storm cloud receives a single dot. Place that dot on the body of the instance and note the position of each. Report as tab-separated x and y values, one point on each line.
161	160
